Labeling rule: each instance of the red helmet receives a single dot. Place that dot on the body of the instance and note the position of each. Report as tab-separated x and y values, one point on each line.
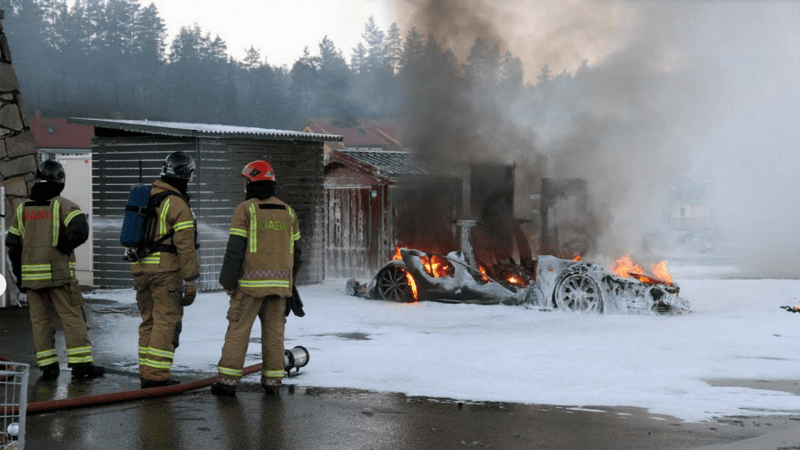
258	171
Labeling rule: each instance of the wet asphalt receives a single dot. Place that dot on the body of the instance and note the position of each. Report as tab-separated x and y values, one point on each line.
301	417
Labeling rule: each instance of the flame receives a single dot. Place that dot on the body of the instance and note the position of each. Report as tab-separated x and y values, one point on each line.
625	267
483	273
396	255
513	280
577	258
660	271
413	285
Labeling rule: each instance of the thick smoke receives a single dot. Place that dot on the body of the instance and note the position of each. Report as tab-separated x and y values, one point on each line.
705	91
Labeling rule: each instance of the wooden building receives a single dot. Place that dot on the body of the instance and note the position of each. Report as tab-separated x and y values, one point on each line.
377	200
127	152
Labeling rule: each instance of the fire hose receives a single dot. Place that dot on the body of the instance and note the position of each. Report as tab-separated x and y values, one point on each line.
294	358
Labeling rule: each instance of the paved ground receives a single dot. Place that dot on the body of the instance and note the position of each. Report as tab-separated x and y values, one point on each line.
313	418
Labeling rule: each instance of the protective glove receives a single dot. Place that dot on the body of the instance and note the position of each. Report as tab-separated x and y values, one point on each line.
189	293
294	304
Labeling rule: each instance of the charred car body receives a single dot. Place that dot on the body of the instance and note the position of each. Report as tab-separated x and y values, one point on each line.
489	261
548	283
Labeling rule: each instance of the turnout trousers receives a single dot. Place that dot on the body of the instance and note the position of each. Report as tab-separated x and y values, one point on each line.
158	296
242	314
65	300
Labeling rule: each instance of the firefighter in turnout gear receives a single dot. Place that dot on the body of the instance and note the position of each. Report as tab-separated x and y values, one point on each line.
261	260
165	279
45	231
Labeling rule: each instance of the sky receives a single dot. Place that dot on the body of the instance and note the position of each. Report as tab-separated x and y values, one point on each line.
561	33
280	29
480	353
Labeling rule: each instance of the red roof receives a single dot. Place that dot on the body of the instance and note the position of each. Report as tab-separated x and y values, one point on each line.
57	133
361	133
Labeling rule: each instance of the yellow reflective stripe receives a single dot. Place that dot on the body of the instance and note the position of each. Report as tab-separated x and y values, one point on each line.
71	216
153	258
162	222
34	272
296	236
253	229
72	265
265	283
239	232
46	357
42	276
72	351
143	350
230	372
183	225
273	373
161	353
20	223
47	361
156	364
44	353
56	221
79	359
14	230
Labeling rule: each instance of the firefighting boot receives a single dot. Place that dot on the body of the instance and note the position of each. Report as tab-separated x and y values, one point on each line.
224	387
271	385
87	370
147	384
50	371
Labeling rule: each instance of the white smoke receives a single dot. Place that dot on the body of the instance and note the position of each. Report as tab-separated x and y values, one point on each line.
708	90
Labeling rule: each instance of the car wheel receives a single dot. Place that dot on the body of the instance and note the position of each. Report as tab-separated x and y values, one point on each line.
392	285
578	293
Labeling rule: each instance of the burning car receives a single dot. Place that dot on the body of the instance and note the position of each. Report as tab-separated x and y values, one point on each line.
548	283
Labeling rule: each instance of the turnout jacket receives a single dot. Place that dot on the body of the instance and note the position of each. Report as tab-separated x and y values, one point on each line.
176	253
42	239
262	256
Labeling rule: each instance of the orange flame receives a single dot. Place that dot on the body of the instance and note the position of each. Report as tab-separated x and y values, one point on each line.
660	271
413	285
577	258
625	267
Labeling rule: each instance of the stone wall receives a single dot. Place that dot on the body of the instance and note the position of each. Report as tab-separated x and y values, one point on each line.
17	149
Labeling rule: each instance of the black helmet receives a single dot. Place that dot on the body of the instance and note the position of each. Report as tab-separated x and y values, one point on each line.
178	165
50	172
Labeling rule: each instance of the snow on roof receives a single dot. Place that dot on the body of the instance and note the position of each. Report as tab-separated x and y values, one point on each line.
202	130
392	163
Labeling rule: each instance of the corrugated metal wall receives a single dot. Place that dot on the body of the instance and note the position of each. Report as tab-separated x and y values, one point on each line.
216	189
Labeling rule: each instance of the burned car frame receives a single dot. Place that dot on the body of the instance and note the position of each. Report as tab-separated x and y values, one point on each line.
551	283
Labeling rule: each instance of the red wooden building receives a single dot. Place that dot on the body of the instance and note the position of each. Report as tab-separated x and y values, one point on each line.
377	200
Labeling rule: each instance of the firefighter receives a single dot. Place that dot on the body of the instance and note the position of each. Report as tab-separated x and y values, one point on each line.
165	280
261	261
44	233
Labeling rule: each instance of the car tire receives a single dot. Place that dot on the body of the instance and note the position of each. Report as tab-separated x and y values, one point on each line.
580	293
392	284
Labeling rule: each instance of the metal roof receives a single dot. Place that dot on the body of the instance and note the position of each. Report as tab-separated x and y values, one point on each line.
202	130
393	163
